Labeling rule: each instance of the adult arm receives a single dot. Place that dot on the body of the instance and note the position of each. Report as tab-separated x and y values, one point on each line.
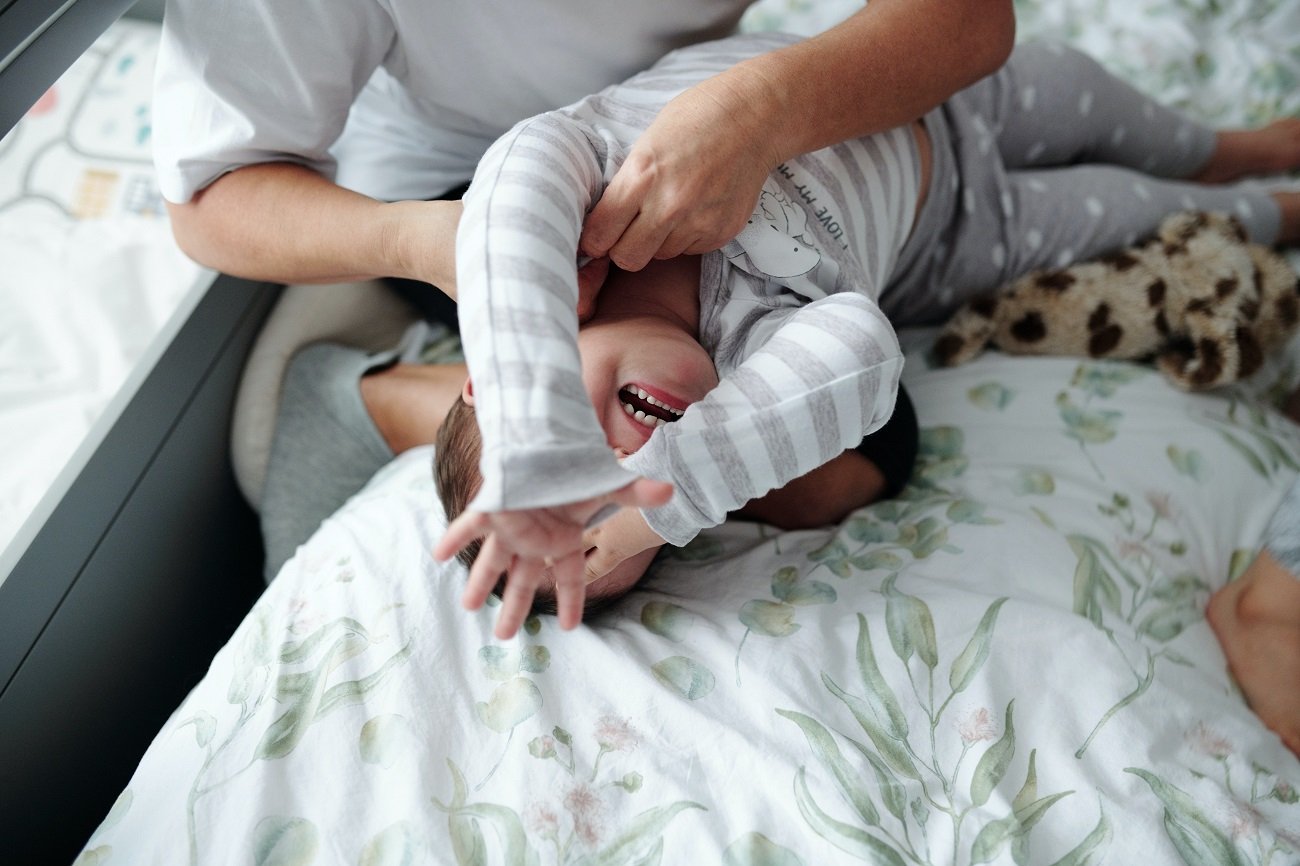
691	181
284	222
249	97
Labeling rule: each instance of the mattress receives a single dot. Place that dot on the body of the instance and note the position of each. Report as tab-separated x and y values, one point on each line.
1007	664
91	274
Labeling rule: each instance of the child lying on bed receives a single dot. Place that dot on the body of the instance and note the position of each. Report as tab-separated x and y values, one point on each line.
1049	161
644	331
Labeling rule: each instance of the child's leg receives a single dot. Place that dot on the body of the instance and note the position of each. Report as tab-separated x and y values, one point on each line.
1257	620
1057	216
1054	106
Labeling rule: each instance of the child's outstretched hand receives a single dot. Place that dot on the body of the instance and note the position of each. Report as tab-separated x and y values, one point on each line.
524	544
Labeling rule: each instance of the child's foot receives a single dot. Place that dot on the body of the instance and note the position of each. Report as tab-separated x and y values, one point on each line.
1257	621
1273	149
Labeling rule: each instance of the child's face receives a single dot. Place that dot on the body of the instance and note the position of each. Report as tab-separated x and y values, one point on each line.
641	362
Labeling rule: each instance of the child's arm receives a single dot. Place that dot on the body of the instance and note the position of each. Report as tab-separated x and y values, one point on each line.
546	466
825	378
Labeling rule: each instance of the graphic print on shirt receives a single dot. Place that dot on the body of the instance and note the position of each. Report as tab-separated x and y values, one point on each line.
776	241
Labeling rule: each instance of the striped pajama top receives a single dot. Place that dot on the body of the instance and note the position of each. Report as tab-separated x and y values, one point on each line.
807	361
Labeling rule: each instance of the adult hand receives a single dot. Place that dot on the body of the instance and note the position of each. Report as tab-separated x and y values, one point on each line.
524	544
689	183
591	278
621	537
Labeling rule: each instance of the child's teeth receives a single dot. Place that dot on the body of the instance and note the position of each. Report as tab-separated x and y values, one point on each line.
627	407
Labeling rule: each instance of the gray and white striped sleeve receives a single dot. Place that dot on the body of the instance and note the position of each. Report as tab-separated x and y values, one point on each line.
826	378
516	267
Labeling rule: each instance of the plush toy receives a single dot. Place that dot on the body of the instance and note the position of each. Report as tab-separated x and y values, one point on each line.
1198	297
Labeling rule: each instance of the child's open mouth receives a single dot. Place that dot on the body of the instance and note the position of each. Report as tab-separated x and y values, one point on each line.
645	408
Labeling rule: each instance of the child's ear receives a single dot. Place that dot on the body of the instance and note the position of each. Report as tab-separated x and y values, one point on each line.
467	392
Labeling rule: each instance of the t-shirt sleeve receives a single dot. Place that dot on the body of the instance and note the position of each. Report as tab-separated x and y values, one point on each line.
827	377
516	266
240	82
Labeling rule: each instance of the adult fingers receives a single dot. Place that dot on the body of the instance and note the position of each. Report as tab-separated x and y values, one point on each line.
570	589
464	529
493	559
679	240
517	599
639	243
614	212
591	279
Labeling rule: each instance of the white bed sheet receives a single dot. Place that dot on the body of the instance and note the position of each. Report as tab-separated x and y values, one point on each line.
1040	683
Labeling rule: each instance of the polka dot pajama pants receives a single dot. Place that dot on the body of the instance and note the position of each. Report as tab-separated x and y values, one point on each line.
1051	161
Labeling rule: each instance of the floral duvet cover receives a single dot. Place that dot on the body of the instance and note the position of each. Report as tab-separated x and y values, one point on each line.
1009	664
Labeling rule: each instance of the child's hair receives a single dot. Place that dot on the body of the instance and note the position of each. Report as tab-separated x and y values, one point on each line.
457	479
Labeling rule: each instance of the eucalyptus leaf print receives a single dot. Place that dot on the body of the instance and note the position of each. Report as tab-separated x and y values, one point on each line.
1261	437
1088	426
776	619
465	820
284	841
685	676
1200	842
667	620
398	844
992	396
510	703
1034	482
383	740
892	782
940	457
755	849
1092	849
1188	462
1131	587
301	697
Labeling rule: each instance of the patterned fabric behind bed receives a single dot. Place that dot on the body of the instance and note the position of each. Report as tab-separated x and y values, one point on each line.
1008	664
88	268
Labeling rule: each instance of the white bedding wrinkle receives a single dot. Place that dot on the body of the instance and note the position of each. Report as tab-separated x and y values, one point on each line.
1010	660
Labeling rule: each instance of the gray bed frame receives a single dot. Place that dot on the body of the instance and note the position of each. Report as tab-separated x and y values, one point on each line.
142	570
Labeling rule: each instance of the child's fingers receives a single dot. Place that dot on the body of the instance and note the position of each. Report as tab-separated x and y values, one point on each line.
492	560
570	589
517	599
464	529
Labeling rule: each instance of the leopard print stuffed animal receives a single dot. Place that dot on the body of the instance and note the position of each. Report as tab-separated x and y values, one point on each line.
1198	297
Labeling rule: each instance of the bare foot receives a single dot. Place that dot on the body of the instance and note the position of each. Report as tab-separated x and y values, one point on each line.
1273	149
1288	232
1257	621
408	402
